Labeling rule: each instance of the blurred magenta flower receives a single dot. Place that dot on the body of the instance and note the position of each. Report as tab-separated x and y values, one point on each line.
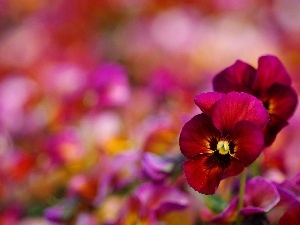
125	169
110	82
260	197
62	212
84	187
11	214
270	83
86	219
222	140
150	202
65	146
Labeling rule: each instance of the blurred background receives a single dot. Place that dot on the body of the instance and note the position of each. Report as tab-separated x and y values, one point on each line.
87	87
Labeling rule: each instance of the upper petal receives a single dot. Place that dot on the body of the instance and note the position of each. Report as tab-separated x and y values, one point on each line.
238	77
196	136
206	101
204	172
234	107
248	140
202	177
270	70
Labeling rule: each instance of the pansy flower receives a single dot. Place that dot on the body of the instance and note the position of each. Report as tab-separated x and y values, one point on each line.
270	83
260	197
222	140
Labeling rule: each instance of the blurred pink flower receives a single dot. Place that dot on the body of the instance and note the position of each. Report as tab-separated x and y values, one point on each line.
260	197
150	202
111	84
64	146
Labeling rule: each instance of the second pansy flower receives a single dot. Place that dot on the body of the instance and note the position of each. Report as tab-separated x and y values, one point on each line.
270	83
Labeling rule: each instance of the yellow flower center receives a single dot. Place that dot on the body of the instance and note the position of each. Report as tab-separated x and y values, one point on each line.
223	147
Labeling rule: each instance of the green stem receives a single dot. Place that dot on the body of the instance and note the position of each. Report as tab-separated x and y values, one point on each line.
241	195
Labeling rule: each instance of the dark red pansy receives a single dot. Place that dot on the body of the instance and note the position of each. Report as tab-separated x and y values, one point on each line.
270	83
223	140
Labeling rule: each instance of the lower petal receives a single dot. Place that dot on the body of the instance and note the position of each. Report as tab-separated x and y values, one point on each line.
204	172
248	140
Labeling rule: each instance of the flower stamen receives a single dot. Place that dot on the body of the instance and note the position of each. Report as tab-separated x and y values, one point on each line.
223	147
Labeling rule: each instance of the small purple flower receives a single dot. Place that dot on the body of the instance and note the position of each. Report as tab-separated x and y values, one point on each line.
61	212
261	196
156	167
150	202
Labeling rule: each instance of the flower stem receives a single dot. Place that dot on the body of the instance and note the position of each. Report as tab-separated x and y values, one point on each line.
241	195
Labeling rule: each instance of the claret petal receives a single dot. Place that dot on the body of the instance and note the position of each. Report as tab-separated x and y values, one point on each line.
204	172
248	140
235	107
269	71
197	135
237	77
206	101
